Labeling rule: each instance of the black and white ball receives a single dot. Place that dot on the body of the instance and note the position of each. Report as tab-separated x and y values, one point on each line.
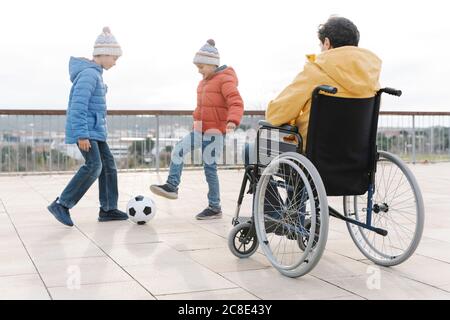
141	209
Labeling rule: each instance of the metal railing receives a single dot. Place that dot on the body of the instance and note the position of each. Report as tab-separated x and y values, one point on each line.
33	140
415	136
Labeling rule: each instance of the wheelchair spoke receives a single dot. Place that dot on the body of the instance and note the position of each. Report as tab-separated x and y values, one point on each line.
411	199
404	208
399	225
402	213
396	194
388	182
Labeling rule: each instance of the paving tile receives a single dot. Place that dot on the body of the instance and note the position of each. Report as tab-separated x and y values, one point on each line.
222	260
23	287
442	234
62	251
436	249
221	229
10	240
71	272
156	254
422	269
163	270
225	294
7	230
179	278
105	291
34	218
332	266
15	261
350	297
19	205
5	222
345	247
122	235
378	284
270	284
57	234
193	240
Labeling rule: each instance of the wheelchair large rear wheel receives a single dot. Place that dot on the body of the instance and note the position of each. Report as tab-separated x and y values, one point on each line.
291	214
397	207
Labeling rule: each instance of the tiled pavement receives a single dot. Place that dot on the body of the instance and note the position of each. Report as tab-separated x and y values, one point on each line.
177	257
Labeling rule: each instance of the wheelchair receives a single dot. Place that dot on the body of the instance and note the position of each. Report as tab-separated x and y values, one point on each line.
382	202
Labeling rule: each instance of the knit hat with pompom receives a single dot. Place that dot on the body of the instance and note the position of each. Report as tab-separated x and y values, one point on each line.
208	54
106	44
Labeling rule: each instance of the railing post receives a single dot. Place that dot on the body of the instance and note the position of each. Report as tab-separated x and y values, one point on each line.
33	154
50	129
448	138
1	151
413	140
157	143
431	140
18	145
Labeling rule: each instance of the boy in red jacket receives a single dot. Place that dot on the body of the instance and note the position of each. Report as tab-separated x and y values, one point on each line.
219	111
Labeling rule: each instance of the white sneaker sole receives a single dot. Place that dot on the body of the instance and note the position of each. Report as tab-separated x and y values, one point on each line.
217	216
163	193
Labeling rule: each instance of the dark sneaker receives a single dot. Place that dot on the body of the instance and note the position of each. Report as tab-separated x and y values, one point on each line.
61	213
209	214
164	190
111	215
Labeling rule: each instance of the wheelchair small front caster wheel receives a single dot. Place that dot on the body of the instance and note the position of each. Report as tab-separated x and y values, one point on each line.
239	243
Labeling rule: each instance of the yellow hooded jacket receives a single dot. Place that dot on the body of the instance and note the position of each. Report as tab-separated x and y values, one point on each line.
352	70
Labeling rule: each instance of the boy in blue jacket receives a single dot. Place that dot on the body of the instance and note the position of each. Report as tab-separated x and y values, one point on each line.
86	126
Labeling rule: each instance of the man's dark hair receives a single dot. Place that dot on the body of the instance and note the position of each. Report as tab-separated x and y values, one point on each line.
340	31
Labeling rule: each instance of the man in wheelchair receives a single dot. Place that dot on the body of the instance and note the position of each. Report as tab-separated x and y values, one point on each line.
342	64
353	71
319	140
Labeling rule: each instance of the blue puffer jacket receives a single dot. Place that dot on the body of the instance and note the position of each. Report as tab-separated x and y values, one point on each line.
86	112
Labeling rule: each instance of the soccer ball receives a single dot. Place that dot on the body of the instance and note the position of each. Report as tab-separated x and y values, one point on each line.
141	209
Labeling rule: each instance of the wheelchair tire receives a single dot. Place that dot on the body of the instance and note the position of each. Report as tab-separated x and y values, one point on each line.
397	207
298	186
236	240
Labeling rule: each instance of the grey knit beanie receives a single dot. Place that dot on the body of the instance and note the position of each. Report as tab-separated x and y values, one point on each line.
106	44
208	54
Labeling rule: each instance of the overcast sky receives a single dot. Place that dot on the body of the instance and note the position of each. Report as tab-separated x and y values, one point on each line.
265	41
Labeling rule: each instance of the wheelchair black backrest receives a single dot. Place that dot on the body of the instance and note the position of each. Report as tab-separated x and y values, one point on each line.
342	141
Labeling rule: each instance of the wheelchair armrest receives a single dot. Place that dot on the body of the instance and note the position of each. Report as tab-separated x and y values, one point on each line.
285	127
325	88
391	91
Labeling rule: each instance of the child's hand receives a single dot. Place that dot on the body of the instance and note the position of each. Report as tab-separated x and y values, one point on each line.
231	126
84	144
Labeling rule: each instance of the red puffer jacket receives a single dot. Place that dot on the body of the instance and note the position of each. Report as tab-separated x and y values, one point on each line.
218	101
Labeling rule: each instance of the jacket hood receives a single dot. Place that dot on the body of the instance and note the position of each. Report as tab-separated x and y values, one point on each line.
76	65
354	68
226	71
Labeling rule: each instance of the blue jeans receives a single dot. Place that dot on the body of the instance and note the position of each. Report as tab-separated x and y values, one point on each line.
211	146
99	163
